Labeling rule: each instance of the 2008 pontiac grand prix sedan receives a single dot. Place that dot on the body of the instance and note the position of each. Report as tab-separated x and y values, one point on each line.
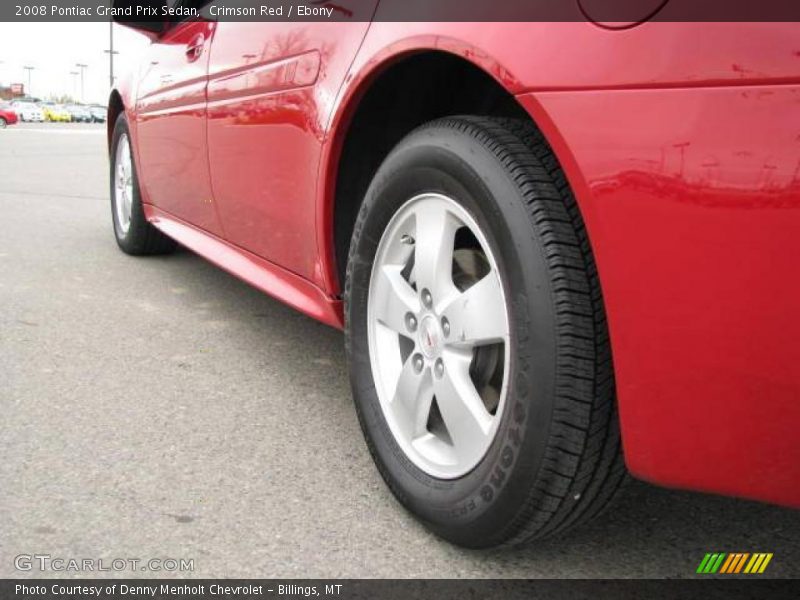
546	243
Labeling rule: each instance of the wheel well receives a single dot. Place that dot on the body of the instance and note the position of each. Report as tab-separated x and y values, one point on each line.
418	89
115	107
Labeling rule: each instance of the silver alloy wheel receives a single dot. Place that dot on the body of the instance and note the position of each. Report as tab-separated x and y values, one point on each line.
438	335
123	184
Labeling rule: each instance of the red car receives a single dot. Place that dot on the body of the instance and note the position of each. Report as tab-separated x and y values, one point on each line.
559	252
7	115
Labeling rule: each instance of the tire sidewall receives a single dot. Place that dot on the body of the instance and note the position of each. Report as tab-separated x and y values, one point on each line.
451	162
124	239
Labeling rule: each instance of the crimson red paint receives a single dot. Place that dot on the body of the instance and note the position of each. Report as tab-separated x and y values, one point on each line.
681	142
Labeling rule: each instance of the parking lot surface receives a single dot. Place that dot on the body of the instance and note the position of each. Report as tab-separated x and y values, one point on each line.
160	408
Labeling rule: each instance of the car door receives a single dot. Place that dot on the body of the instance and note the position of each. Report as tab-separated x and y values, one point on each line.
171	124
270	92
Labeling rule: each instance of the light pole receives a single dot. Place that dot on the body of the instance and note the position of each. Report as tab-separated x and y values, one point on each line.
111	52
29	91
81	66
74	81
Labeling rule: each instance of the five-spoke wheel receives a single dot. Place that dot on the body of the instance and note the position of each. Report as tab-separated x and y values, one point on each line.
438	335
476	338
123	183
131	229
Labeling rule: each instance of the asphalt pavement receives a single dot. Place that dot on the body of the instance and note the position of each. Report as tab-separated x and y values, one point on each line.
160	408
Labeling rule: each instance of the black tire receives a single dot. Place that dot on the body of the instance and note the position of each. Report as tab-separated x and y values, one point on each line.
142	238
556	459
3	123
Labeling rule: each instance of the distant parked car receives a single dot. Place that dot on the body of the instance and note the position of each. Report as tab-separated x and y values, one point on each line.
7	115
55	112
78	113
28	112
98	113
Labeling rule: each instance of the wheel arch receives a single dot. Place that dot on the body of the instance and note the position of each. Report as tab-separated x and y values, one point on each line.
115	107
473	85
345	173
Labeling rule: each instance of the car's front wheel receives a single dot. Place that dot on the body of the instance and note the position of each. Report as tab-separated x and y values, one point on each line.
3	123
476	336
133	233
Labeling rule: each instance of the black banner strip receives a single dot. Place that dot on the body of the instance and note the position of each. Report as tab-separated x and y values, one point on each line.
403	589
611	12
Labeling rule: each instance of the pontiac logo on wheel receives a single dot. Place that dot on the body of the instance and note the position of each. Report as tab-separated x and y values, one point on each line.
734	563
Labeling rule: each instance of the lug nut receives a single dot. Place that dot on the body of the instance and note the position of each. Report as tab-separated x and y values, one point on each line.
411	322
445	327
418	363
439	367
427	299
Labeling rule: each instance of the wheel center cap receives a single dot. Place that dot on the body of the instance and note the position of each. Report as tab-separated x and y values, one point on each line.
430	336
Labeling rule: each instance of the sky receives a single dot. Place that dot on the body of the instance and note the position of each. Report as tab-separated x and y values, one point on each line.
54	49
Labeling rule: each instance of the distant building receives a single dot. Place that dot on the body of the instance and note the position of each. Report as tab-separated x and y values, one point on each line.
11	92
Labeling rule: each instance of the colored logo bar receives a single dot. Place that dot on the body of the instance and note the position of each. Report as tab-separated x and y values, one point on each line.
731	563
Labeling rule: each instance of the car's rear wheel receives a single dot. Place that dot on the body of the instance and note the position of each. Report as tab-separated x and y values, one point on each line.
476	336
3	123
132	231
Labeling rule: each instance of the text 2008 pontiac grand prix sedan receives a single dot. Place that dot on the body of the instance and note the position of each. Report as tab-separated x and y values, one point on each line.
559	252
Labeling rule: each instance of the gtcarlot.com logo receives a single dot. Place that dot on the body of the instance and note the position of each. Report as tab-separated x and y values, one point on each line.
46	562
733	563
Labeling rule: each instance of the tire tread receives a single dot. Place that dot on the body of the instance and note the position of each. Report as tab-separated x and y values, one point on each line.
584	445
